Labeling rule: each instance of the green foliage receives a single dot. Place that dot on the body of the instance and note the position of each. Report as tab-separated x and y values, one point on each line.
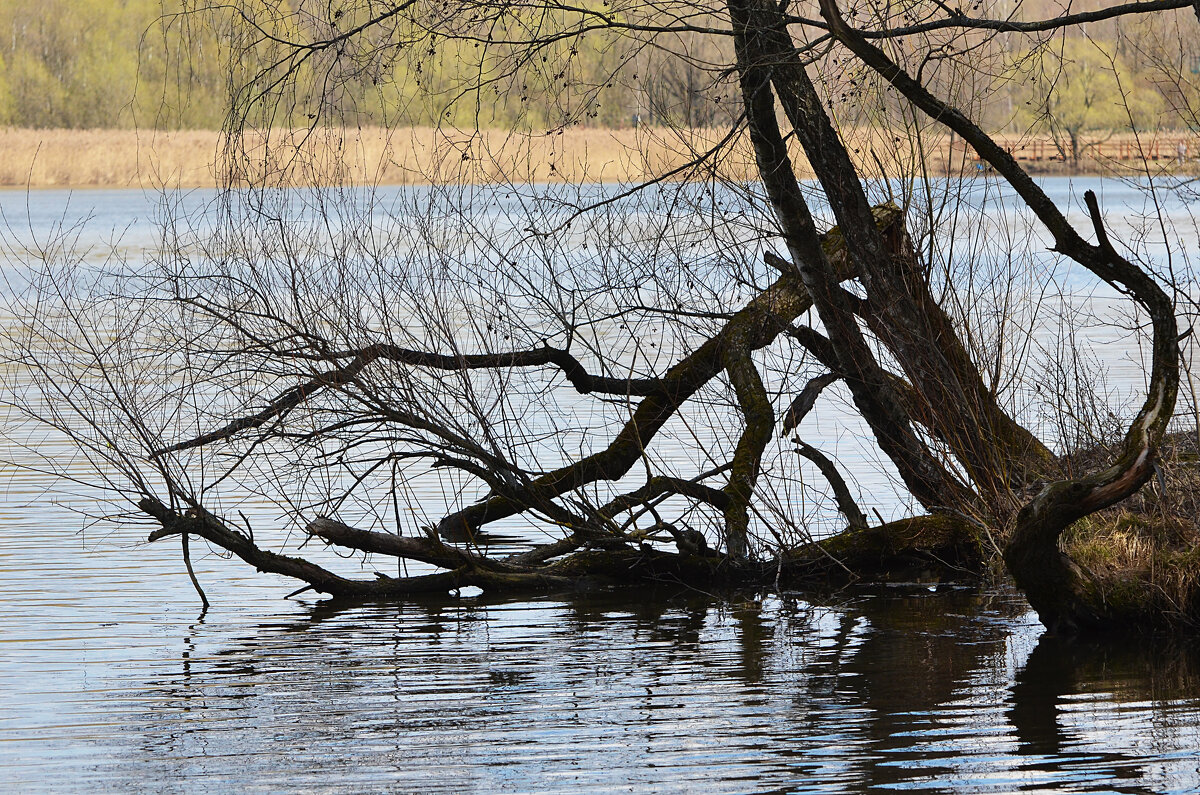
104	63
1079	86
6	99
183	80
179	64
477	72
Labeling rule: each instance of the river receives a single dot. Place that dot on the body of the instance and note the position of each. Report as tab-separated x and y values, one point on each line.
113	679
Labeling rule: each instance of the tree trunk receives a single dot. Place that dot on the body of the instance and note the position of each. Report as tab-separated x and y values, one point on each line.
763	51
1053	584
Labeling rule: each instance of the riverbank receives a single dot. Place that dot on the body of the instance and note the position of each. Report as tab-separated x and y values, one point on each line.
130	158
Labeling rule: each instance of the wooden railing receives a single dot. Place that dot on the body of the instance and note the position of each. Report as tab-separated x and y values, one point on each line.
1178	148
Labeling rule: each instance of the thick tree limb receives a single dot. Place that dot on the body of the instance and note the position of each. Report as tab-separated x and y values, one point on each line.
887	551
763	49
545	552
1054	585
200	522
916	330
1022	454
424	550
995	451
906	549
747	456
574	371
822	350
755	326
1102	260
806	400
661	485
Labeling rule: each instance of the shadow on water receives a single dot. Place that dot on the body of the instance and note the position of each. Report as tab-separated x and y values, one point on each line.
871	691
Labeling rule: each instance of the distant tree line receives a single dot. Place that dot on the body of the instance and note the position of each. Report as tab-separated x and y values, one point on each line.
102	63
123	63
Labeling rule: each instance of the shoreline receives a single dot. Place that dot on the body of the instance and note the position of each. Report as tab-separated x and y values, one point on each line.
117	159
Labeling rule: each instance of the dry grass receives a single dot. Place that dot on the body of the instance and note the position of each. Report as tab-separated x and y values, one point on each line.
1144	555
105	158
128	158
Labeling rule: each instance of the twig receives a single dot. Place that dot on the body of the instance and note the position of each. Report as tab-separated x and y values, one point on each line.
187	561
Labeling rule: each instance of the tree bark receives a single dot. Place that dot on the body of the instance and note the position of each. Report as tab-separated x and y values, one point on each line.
747	457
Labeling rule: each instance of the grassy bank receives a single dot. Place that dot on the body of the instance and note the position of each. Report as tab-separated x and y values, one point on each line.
128	158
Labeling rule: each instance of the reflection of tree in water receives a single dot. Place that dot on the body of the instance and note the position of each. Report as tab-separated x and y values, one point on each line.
474	684
1047	676
892	662
302	695
728	694
1047	693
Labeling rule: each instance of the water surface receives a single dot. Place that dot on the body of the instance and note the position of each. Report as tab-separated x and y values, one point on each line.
112	679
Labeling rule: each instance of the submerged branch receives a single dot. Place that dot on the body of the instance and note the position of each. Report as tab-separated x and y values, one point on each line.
199	522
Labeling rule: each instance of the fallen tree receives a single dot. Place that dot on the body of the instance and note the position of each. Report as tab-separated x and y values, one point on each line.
316	346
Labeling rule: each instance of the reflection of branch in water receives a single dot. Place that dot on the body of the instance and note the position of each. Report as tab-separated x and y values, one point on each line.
882	671
189	650
911	666
1048	675
754	639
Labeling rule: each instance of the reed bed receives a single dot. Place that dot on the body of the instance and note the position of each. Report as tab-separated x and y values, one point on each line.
201	158
129	158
